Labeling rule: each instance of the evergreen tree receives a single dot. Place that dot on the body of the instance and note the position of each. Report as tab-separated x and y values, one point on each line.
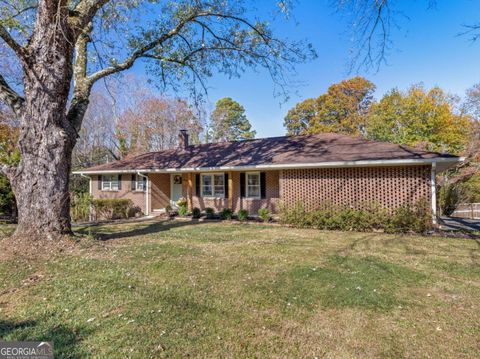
229	122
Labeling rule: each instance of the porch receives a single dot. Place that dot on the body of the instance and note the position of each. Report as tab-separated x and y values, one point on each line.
217	190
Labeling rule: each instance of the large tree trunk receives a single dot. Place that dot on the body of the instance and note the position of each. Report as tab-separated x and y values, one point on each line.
41	186
40	183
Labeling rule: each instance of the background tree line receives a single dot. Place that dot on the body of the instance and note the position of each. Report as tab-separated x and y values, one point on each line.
428	119
117	126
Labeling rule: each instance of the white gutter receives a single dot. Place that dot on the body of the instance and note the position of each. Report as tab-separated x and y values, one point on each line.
146	194
333	164
434	192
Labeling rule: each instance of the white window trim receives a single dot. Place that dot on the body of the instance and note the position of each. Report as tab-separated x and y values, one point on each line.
247	195
212	174
110	182
139	179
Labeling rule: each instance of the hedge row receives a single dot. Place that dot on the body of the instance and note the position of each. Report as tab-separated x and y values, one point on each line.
102	208
408	218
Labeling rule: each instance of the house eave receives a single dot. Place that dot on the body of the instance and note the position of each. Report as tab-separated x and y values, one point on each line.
443	164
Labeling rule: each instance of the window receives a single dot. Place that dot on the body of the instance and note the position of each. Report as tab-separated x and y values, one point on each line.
253	184
213	185
110	183
139	183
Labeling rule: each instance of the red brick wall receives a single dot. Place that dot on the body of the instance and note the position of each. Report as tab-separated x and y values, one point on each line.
251	205
272	194
388	186
137	197
201	202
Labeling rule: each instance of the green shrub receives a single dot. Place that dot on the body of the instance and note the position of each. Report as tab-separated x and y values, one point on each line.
112	208
183	211
134	211
295	216
408	218
242	215
168	210
210	213
264	214
196	212
80	206
7	199
226	213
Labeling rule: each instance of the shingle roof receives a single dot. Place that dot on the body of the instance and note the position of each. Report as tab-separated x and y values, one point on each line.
285	150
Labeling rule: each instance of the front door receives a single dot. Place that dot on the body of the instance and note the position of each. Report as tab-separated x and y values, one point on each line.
175	189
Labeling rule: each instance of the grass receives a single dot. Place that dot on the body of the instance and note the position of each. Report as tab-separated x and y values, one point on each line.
183	289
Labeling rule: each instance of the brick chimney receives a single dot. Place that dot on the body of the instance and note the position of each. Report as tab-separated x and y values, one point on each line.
183	139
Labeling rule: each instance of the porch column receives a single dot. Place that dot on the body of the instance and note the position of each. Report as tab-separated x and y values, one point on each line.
434	192
230	190
189	191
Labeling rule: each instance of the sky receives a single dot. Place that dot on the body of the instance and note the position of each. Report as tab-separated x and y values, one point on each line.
426	48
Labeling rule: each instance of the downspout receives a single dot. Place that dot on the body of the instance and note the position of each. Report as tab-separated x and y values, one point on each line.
90	194
434	192
147	212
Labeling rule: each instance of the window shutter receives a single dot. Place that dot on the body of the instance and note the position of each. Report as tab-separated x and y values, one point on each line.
119	182
242	184
263	185
197	185
133	183
225	184
144	184
99	182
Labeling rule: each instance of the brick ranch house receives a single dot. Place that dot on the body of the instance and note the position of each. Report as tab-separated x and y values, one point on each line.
259	173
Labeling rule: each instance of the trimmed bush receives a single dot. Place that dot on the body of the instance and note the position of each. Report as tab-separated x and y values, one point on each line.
264	214
210	213
242	215
196	212
112	208
408	218
226	213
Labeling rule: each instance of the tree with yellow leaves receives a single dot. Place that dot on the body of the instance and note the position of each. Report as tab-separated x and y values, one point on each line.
342	109
420	118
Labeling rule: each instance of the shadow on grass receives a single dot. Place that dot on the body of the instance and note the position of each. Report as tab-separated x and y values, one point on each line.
346	281
65	340
102	232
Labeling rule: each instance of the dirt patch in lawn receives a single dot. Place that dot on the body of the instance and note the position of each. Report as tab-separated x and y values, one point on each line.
34	247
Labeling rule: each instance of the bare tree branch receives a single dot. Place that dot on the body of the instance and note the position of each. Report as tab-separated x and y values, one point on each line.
10	97
139	52
20	12
371	23
14	45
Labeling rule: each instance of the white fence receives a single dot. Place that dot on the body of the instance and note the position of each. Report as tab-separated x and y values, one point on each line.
467	210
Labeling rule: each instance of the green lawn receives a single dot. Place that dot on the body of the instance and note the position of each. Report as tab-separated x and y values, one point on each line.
181	289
